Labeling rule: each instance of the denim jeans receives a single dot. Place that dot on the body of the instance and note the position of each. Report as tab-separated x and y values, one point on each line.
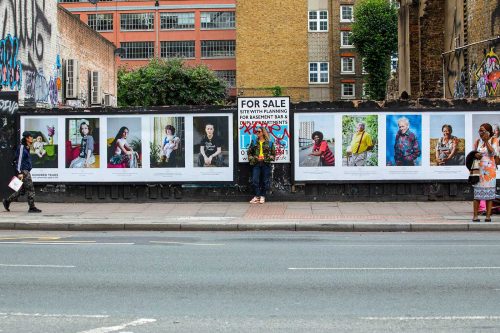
261	178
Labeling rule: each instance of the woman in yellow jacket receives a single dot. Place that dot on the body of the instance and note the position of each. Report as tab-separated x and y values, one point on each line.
260	155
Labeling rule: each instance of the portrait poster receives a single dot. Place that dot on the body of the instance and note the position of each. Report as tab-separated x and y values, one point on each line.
124	143
271	113
210	142
315	154
82	143
359	140
447	140
167	142
404	140
44	151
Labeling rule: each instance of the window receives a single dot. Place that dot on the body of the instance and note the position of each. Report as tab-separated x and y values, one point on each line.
138	50
228	76
101	22
364	93
218	20
180	49
347	90
363	67
144	21
347	65
177	21
346	14
345	39
218	48
318	20
318	72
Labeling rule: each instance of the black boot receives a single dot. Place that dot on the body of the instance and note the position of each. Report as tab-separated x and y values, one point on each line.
33	209
6	204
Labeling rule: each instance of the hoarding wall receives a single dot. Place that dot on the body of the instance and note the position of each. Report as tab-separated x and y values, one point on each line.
156	154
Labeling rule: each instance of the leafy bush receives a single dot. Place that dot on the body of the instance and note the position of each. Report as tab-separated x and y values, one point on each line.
169	82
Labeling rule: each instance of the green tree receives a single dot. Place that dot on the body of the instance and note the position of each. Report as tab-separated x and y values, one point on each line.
169	82
375	36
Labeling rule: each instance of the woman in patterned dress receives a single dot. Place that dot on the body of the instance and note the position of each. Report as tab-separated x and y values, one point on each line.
487	147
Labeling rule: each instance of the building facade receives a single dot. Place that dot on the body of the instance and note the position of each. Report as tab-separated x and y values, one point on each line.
449	48
199	32
90	68
40	43
301	46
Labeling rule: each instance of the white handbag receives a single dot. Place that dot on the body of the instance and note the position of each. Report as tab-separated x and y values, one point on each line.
15	183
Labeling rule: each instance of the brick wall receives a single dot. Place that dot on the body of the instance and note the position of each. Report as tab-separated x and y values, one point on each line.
31	32
94	53
432	46
271	47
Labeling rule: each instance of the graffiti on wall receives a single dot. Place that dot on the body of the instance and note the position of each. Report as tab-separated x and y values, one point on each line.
38	89
9	102
460	84
487	74
11	69
29	25
24	49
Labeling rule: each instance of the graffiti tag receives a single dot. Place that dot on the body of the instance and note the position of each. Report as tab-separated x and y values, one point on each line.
11	69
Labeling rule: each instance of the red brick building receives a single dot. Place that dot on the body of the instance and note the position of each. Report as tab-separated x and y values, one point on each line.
197	31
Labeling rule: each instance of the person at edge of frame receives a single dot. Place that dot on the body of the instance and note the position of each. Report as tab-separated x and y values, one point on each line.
261	153
22	163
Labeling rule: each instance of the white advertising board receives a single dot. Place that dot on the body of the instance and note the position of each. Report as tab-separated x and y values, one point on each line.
272	113
385	146
133	148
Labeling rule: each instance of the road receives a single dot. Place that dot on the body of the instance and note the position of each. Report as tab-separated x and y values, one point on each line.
249	282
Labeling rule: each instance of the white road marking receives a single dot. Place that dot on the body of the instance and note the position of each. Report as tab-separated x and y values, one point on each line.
411	245
38	266
20	314
180	243
434	318
391	268
64	243
137	322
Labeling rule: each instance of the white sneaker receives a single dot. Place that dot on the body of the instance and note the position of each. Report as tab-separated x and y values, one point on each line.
255	200
262	200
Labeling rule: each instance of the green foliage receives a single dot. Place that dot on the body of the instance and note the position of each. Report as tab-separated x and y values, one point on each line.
371	127
277	91
154	155
136	145
169	82
375	36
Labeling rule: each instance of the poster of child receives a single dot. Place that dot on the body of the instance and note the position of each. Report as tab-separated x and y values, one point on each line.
167	142
44	150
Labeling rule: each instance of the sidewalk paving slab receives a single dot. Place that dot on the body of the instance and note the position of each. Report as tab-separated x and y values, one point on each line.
241	216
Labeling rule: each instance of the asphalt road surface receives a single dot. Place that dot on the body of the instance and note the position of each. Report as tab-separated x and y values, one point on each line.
249	282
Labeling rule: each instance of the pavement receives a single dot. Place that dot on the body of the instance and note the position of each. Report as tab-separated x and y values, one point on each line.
230	216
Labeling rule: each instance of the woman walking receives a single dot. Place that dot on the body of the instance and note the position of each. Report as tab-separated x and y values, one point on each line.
487	148
260	155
